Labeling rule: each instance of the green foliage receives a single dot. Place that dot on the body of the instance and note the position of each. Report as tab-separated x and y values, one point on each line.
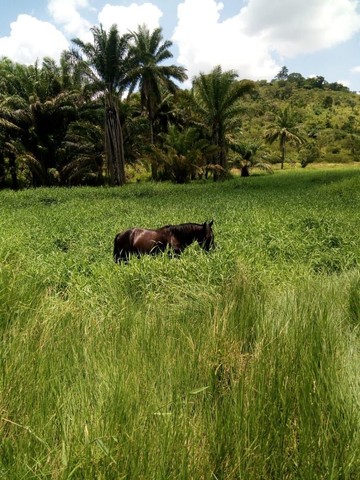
250	156
84	150
36	109
243	362
310	152
328	116
285	128
148	74
106	62
183	155
217	102
127	79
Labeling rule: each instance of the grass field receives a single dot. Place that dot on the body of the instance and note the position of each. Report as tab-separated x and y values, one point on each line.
239	364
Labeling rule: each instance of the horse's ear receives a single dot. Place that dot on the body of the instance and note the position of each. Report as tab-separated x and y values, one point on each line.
208	224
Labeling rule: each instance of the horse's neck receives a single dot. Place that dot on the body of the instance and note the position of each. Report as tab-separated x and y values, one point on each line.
186	234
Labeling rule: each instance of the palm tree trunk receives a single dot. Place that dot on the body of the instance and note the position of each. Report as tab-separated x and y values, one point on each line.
114	143
283	151
13	173
219	153
245	170
2	170
151	125
154	170
282	157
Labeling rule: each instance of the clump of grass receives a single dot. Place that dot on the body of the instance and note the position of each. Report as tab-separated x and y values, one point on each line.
289	408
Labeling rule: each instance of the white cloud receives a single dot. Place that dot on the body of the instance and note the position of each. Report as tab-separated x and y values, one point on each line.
356	69
31	39
253	42
65	12
249	41
128	18
344	82
293	28
204	41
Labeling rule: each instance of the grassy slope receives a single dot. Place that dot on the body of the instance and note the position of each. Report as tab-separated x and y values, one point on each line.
238	364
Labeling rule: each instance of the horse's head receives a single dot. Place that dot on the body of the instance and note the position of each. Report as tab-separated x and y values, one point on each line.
206	239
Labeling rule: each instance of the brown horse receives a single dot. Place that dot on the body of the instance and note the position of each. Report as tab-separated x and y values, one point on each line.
140	241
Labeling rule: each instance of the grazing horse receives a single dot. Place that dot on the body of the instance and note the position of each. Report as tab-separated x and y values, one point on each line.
140	241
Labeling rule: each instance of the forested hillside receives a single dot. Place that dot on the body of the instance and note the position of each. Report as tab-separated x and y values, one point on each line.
327	114
114	110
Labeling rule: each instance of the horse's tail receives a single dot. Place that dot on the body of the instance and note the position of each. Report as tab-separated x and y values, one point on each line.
121	246
117	249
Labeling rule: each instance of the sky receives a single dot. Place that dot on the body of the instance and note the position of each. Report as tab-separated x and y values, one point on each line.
256	38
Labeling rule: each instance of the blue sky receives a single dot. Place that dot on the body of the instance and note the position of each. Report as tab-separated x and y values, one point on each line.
254	37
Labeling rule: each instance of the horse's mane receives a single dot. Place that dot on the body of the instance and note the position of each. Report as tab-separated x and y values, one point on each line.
184	228
184	231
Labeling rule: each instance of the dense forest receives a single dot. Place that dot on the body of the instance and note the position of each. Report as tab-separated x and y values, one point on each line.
114	110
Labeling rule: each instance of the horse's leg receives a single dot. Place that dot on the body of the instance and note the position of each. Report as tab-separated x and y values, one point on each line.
175	248
158	247
177	252
121	257
118	258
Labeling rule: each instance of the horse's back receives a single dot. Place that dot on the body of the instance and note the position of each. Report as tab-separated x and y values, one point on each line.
148	241
138	241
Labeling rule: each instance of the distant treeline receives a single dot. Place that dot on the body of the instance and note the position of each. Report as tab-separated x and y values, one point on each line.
113	110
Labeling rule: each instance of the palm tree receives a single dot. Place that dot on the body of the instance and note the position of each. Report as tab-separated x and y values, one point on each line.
13	82
249	157
106	64
35	113
216	97
285	129
84	148
183	154
153	80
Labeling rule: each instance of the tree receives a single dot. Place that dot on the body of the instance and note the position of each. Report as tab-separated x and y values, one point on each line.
216	100
249	153
296	78
106	63
153	80
315	82
35	113
283	74
310	153
14	82
285	128
183	154
84	151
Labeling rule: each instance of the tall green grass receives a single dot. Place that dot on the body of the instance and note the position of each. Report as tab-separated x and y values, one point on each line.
239	364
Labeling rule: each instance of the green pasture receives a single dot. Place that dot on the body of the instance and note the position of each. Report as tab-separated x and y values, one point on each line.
238	364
